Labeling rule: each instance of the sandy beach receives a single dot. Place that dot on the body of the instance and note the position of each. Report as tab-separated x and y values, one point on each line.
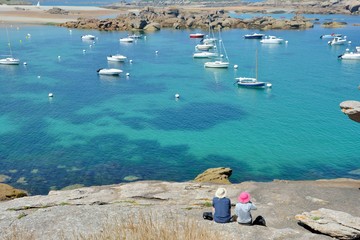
39	15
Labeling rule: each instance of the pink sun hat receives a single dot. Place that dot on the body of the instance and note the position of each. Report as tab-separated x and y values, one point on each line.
244	197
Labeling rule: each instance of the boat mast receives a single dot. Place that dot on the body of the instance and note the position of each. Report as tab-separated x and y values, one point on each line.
9	44
256	65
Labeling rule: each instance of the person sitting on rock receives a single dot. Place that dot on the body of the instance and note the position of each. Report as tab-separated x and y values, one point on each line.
243	211
221	206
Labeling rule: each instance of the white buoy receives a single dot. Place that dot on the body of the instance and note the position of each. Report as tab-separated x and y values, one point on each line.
236	66
127	74
286	42
90	46
39	76
269	85
59	57
177	95
51	95
349	42
156	52
130	61
347	49
145	37
25	63
84	50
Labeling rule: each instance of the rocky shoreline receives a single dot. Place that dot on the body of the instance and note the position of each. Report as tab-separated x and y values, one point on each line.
152	19
141	16
322	209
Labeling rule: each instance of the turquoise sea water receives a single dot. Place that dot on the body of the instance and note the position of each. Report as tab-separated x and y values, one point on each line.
100	130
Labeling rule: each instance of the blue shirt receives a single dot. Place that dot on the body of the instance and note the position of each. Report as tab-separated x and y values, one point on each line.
222	208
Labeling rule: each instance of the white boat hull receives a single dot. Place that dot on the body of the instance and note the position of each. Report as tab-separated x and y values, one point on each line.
350	56
88	37
116	58
337	41
272	40
216	64
204	47
9	61
250	82
128	39
205	55
109	71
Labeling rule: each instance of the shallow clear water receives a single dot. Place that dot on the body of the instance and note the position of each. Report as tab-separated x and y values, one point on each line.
100	130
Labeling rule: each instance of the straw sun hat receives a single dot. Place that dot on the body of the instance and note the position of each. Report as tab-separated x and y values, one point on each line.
221	193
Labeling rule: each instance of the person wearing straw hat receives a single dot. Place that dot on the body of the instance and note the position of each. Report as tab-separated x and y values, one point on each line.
221	206
243	209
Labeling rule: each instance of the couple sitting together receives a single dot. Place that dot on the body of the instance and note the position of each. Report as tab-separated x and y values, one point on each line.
222	209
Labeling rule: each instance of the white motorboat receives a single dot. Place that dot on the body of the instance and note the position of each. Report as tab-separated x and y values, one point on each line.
205	54
109	71
10	61
88	37
126	39
272	40
116	58
350	55
337	41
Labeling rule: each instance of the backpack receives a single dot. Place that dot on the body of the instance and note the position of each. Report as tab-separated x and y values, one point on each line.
208	216
259	220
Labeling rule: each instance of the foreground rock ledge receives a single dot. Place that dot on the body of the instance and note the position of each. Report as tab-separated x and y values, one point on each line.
336	224
60	214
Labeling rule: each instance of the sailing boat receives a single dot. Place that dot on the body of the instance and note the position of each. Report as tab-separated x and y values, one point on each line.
252	82
9	60
223	61
207	43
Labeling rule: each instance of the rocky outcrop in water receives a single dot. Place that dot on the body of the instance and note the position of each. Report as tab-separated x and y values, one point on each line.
151	19
351	109
7	192
215	175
